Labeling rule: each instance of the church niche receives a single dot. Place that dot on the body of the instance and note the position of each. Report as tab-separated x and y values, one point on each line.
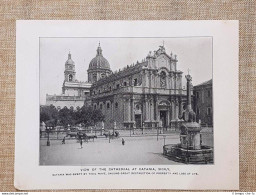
70	77
163	79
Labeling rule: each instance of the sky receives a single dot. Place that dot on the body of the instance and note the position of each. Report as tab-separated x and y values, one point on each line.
193	53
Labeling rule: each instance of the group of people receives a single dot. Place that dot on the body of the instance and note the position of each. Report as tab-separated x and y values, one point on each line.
81	141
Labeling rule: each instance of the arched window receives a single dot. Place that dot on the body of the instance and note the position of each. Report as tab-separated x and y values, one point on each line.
116	105
95	107
108	105
163	79
94	77
103	75
135	83
125	84
101	106
70	77
197	111
209	93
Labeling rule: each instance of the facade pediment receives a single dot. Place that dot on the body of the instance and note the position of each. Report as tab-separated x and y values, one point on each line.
163	61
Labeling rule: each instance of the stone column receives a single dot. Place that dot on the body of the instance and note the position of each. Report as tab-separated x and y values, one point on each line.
180	107
112	109
149	80
152	110
132	110
128	110
147	110
153	80
173	110
175	83
157	117
144	78
177	110
168	115
189	78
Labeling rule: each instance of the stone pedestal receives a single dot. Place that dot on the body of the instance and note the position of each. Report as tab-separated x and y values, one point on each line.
190	135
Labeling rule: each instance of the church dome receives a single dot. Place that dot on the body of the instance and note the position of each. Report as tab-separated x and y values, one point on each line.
70	61
99	62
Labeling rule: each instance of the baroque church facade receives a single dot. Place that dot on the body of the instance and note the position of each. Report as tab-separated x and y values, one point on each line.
148	93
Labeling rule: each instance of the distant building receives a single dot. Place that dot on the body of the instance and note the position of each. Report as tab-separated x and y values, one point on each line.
203	102
73	91
148	93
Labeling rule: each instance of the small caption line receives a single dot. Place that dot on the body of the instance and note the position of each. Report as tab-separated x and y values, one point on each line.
126	171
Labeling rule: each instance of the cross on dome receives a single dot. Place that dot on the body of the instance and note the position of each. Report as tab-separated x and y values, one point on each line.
188	71
99	50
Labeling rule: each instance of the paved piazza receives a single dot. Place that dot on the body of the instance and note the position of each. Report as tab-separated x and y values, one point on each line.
138	150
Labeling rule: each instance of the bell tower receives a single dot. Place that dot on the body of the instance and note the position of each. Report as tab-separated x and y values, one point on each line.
69	73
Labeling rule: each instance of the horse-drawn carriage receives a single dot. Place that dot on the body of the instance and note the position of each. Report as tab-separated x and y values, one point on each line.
72	134
81	135
112	135
86	137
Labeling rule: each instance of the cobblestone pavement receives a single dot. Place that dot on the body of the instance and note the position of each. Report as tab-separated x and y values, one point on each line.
139	150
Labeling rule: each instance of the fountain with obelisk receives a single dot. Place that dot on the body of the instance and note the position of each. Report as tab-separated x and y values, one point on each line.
190	149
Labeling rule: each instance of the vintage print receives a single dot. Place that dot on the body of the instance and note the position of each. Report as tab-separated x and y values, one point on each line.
126	101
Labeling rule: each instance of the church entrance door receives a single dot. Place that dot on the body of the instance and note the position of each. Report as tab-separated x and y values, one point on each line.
163	117
138	120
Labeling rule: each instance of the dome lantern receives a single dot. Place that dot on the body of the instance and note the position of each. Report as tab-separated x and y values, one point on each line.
70	61
99	67
99	50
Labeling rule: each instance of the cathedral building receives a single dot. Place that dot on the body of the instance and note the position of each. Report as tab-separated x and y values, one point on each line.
148	93
73	91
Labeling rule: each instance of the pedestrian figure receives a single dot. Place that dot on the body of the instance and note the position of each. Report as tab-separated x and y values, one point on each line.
81	142
123	142
64	139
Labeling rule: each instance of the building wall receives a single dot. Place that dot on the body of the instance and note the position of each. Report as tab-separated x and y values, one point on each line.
76	91
59	104
127	103
203	103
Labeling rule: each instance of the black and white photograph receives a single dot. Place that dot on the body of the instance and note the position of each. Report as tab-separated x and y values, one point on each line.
126	101
127	105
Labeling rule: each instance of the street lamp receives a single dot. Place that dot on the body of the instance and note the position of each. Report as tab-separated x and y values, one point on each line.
102	127
133	126
57	131
157	132
164	139
48	137
114	128
143	125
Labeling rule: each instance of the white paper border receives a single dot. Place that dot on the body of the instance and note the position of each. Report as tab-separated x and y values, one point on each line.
224	174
